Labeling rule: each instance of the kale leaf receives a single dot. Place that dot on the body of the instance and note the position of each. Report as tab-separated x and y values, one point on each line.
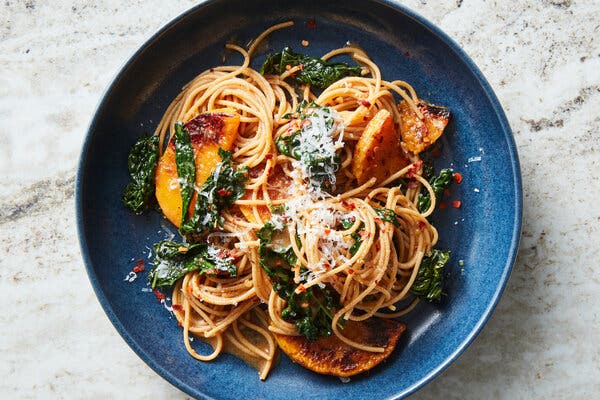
387	215
310	310
319	163
223	187
314	72
186	167
430	279
143	158
439	184
347	224
173	260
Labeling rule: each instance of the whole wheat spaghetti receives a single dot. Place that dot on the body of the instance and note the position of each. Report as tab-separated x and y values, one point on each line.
341	238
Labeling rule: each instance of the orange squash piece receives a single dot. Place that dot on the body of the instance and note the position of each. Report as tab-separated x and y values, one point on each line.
420	133
331	356
378	152
208	132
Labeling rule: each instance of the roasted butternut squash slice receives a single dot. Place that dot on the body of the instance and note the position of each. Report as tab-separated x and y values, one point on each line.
420	133
208	132
378	152
331	356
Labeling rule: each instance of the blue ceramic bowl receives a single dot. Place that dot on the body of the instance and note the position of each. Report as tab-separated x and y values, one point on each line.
483	233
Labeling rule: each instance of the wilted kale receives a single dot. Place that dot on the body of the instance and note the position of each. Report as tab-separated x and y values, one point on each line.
439	184
347	224
320	163
143	158
173	260
311	310
225	185
314	71
429	283
186	167
387	215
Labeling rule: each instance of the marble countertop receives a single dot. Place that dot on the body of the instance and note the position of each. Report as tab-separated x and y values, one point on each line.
542	59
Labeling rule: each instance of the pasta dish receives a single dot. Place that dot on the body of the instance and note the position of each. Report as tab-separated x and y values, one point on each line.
302	202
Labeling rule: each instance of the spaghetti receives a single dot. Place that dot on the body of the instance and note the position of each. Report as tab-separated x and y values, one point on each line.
340	238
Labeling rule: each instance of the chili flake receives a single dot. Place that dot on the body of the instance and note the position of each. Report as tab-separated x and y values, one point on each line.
457	177
159	295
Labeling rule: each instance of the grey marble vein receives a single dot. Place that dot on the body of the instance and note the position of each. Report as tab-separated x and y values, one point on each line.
542	58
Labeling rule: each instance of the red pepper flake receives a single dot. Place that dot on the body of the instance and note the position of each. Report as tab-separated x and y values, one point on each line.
311	24
301	288
407	53
364	103
327	266
412	184
456	203
414	168
350	271
177	307
348	206
222	254
442	205
378	220
139	266
269	156
457	177
435	152
223	192
327	231
447	192
270	171
159	295
421	225
377	246
300	67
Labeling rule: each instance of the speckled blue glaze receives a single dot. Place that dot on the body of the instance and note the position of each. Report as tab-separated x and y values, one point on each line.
484	232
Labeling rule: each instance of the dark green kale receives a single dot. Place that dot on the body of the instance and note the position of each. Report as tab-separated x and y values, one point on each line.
387	215
309	146
289	145
439	184
347	224
143	158
186	167
173	260
311	310
429	283
223	187
428	171
314	71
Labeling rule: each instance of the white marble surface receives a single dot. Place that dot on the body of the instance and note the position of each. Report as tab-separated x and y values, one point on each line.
542	58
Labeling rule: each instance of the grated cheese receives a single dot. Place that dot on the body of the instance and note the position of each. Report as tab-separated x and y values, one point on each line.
317	142
221	263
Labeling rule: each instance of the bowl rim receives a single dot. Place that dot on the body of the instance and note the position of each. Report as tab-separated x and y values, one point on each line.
515	170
